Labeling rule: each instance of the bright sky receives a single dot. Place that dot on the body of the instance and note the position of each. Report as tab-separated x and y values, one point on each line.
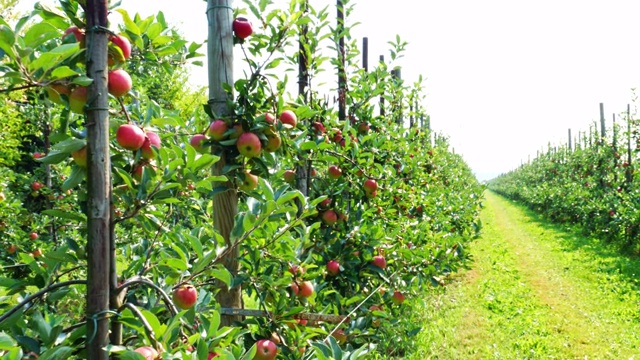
503	78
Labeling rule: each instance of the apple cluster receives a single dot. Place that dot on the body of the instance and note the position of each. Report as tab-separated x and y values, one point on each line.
248	144
119	81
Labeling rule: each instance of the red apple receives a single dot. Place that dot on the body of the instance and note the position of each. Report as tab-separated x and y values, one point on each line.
249	183
77	33
370	185
340	336
33	235
318	127
296	270
306	289
148	352
363	128
80	156
333	267
242	28
138	171
379	261
152	140
329	217
36	253
35	186
266	350
124	45
130	137
288	117
119	82
295	288
324	204
12	249
249	145
212	355
270	118
334	172
397	297
217	129
237	131
78	99
197	142
289	176
55	90
37	155
185	296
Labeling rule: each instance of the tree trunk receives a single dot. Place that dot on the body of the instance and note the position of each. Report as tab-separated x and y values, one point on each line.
225	203
98	182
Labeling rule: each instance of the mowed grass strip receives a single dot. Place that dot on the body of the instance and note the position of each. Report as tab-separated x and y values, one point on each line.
535	291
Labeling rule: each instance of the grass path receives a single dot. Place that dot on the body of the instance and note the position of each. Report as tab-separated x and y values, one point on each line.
535	291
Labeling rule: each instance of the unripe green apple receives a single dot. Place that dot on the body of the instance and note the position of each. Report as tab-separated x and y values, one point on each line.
54	91
273	143
78	99
250	181
80	156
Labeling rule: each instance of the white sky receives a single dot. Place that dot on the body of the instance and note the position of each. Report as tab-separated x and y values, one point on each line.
503	77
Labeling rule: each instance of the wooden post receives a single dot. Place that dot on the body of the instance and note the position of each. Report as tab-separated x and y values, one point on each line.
602	123
304	167
225	203
569	143
98	182
342	74
397	76
365	53
411	114
381	102
628	172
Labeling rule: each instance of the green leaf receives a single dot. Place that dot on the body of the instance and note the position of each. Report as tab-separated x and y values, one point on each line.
40	33
128	23
63	72
82	81
203	262
7	40
221	273
52	58
76	177
57	353
55	157
6	342
75	216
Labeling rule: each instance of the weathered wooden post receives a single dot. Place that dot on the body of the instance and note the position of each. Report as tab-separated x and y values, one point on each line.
602	123
381	102
569	142
628	171
342	74
365	53
304	167
98	182
225	203
396	74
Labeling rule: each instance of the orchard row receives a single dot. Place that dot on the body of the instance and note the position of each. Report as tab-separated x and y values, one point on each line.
338	224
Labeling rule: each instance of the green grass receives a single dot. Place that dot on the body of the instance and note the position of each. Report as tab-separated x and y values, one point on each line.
535	291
